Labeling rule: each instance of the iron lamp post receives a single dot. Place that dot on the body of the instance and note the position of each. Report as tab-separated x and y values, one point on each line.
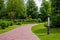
48	29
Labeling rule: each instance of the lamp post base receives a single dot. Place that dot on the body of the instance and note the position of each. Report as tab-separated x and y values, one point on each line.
48	31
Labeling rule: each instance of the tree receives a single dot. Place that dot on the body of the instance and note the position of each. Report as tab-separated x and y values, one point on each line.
55	18
16	8
45	10
1	7
32	9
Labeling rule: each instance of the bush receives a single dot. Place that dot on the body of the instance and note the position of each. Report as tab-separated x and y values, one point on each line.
11	23
46	24
18	23
4	25
55	21
33	20
14	21
28	20
39	20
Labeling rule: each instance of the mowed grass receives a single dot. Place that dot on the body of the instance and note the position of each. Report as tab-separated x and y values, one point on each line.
8	29
41	31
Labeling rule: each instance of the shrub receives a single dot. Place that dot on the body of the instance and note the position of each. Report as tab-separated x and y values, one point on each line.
4	25
14	21
11	23
30	20
46	24
55	21
39	20
18	23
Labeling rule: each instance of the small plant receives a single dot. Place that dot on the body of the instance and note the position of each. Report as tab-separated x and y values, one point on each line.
39	20
18	23
11	23
3	25
46	24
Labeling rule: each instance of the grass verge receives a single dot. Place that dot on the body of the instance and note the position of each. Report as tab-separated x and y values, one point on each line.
8	29
41	31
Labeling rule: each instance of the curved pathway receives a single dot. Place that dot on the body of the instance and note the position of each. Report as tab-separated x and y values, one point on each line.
21	33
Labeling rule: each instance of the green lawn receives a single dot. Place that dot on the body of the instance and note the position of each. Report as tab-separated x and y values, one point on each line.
41	31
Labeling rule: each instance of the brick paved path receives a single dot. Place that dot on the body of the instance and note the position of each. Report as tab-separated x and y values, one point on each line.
21	33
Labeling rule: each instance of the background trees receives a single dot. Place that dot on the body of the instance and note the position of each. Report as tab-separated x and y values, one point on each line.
32	9
45	10
16	9
55	17
1	7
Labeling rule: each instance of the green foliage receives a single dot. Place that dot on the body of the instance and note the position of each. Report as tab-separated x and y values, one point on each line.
1	7
55	21
30	20
1	4
15	9
46	24
18	23
55	16
11	23
45	10
4	24
32	9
